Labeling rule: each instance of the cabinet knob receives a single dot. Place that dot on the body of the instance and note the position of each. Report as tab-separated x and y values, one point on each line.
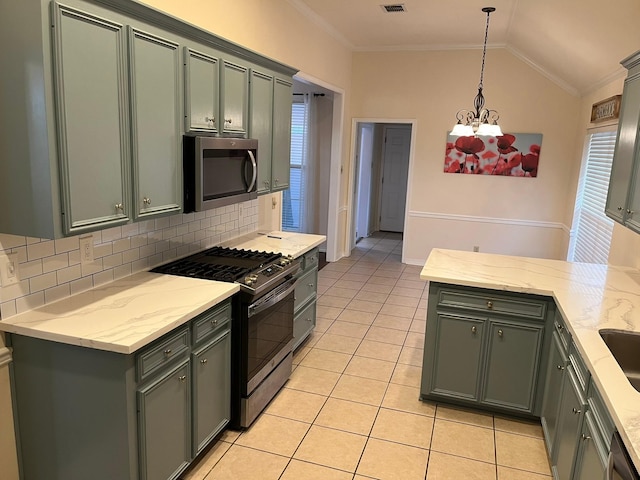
203	361
210	119
489	304
559	327
167	352
560	367
119	206
585	437
214	321
266	183
576	411
629	212
146	201
619	209
276	181
500	333
228	120
308	320
182	378
310	285
474	329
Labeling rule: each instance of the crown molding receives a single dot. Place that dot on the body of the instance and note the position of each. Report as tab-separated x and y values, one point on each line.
320	22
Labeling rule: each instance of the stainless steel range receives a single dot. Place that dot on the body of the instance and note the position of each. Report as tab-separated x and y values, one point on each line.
262	329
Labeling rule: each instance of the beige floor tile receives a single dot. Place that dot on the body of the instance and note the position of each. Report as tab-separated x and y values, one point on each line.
398	310
380	273
365	305
328	300
376	280
389	321
413	282
274	435
336	267
313	380
411	356
402	301
296	405
229	436
326	273
370	368
444	467
403	427
338	343
462	415
356	277
522	452
407	375
407	399
322	324
248	464
346	282
506	473
519	426
330	313
331	448
342	292
358	389
414	340
348	329
418	325
392	461
386	335
463	440
312	339
379	350
207	462
347	416
298	470
299	354
365	271
357	316
326	360
421	313
407	292
383	290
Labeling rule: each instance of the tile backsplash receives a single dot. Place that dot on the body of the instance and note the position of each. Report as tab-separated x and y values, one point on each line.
50	269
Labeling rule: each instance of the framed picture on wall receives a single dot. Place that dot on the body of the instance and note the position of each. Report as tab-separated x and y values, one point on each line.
509	155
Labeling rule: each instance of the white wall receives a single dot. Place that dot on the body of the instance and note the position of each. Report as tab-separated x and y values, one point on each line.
521	216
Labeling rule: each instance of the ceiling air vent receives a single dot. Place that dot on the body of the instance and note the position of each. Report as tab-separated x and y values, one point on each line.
394	8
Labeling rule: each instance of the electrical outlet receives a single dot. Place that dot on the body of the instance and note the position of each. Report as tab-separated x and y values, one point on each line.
86	249
476	248
9	271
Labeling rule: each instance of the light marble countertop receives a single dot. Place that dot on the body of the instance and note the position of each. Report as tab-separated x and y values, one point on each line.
590	297
287	243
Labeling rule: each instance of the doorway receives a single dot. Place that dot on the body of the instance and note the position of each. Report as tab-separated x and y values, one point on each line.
380	181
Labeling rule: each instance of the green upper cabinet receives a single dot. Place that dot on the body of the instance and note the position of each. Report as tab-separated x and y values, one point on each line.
234	80
623	199
202	81
281	157
156	134
92	120
260	124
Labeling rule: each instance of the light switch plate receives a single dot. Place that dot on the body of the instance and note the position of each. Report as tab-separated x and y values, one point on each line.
9	271
86	249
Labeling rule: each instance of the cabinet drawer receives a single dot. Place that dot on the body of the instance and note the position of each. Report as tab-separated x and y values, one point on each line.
303	323
560	327
492	303
211	321
309	260
157	356
582	372
602	419
306	289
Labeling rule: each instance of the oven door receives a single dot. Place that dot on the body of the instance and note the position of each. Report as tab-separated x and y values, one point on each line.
269	333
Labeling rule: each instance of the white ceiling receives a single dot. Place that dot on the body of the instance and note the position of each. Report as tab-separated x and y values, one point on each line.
576	43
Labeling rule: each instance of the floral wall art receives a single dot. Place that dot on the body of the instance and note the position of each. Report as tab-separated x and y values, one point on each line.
509	155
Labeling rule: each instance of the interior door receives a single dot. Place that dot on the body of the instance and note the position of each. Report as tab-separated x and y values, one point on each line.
395	171
363	193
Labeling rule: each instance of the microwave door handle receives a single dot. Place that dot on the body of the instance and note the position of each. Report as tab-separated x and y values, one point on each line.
255	170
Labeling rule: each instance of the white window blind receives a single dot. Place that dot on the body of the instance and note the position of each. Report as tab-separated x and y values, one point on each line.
593	228
293	197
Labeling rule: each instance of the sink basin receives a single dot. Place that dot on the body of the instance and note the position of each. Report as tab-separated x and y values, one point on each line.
625	347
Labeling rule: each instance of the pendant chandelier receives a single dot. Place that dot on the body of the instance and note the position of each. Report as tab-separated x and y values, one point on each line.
481	121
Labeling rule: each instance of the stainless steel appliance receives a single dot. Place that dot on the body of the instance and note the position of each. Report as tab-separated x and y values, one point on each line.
218	171
262	325
620	465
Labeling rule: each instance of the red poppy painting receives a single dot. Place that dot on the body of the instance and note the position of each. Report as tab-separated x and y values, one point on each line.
509	155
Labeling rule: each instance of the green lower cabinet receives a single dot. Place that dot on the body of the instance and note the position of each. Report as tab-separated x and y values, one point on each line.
303	324
592	461
511	372
552	392
164	425
454	372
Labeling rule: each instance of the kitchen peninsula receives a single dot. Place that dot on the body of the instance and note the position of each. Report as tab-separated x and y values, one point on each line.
588	298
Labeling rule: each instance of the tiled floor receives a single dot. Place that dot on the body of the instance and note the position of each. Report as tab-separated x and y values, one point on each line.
351	410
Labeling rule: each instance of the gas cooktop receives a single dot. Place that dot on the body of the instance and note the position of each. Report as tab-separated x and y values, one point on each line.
254	271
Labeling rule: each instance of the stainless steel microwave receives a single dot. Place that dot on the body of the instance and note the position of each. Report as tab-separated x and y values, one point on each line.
218	171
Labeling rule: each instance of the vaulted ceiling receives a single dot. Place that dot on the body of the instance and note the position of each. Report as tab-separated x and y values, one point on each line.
576	43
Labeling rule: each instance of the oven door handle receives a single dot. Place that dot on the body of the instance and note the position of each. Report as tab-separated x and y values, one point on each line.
262	305
255	170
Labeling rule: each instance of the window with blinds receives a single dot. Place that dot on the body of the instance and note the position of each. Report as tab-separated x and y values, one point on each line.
592	228
293	197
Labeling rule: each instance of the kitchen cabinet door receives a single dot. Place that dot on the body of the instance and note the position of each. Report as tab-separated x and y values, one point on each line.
155	112
211	390
202	86
572	407
260	125
454	362
164	418
92	114
281	157
592	461
235	98
511	373
552	392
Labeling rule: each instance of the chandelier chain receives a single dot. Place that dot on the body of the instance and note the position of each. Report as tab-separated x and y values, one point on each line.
484	50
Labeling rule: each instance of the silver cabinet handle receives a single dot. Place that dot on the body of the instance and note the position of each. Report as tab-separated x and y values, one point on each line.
203	361
276	182
560	367
167	352
629	212
119	206
619	208
146	201
182	378
266	183
228	120
308	320
310	285
214	322
474	329
500	333
210	119
585	437
576	411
